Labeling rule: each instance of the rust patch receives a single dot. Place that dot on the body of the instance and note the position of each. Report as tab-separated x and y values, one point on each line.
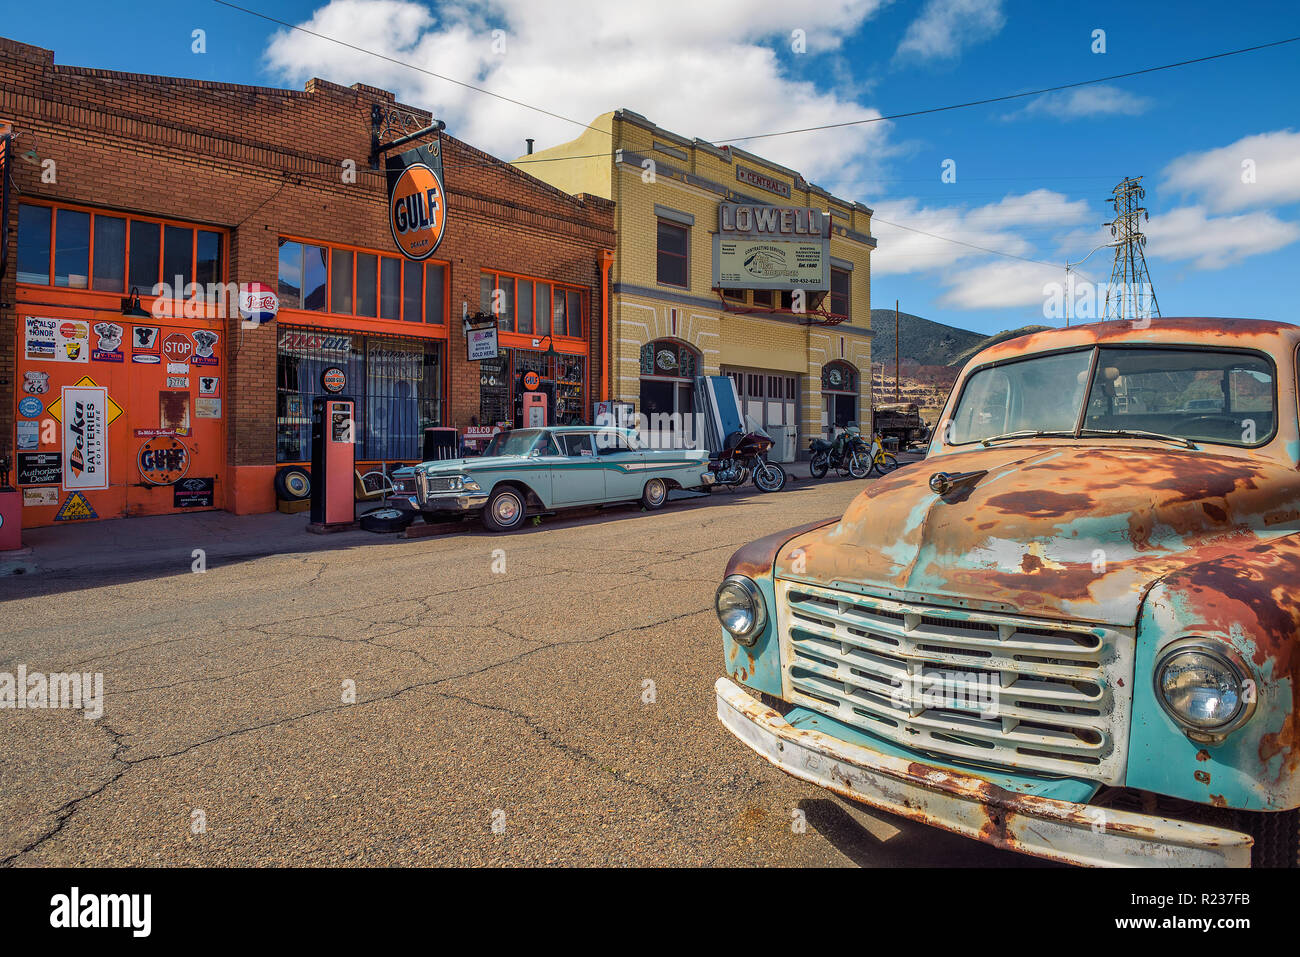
1202	776
1202	755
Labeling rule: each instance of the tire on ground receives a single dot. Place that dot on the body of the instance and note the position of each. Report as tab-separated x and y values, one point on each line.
293	483
386	519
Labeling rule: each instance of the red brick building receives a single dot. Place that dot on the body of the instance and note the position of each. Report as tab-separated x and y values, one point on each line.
123	181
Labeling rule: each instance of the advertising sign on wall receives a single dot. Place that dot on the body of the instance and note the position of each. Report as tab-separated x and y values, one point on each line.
770	264
417	205
56	340
481	343
85	437
771	247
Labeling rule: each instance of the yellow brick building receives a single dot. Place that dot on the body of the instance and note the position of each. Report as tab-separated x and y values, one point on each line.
668	321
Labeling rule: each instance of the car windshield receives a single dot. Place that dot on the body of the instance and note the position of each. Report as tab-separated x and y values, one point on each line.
1201	395
519	442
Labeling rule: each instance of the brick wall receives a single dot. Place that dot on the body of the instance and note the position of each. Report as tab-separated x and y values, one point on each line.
262	162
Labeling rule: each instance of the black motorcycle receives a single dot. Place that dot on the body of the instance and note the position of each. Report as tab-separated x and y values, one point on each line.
744	454
847	454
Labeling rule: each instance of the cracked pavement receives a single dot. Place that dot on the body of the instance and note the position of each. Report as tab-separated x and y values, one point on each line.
479	696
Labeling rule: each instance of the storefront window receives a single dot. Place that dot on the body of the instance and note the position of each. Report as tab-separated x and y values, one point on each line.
146	250
103	265
435	293
367	284
178	258
412	293
341	281
525	308
34	244
396	383
390	288
290	284
543	310
313	278
561	378
72	249
110	253
208	268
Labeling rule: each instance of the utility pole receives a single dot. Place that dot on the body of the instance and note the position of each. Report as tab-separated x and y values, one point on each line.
897	388
1129	294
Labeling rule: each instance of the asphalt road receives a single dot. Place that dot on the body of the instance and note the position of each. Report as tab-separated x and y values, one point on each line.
501	716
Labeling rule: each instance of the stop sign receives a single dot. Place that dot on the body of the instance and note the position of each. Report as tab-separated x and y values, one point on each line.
177	347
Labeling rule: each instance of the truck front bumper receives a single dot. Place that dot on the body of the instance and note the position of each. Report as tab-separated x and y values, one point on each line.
968	805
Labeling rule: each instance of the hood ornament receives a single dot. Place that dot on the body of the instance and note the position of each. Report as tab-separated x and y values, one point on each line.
950	485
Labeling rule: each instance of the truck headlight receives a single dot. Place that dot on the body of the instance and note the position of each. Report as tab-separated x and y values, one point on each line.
1204	687
741	609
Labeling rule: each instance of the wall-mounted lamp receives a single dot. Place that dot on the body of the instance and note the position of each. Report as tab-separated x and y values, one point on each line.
131	307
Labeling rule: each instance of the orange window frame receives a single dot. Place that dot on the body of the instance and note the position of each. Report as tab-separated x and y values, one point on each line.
584	308
147	294
399	326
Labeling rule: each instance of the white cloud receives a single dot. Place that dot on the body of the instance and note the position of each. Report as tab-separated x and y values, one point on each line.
700	69
1218	177
1084	102
994	226
1000	285
1214	242
946	26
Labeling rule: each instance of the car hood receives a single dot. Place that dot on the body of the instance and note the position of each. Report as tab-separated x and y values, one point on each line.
460	466
1066	531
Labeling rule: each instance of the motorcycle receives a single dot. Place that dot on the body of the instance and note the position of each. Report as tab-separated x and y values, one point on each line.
744	455
847	454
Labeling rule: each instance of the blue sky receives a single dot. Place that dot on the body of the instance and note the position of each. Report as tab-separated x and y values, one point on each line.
1032	176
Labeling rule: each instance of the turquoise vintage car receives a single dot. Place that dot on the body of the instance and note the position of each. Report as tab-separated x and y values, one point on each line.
542	470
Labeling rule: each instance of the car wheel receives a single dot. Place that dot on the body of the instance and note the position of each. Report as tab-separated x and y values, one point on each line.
655	494
817	466
505	509
386	519
769	477
293	483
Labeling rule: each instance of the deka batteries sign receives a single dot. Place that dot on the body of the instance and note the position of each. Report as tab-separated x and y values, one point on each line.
417	204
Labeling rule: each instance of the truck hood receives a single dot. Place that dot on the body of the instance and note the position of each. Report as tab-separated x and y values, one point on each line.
1066	531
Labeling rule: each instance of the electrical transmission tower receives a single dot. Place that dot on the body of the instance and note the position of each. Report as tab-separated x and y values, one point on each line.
1129	294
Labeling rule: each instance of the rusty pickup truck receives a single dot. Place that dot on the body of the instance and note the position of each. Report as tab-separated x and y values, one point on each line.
1072	630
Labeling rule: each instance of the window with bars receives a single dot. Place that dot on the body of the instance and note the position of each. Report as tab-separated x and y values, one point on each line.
396	383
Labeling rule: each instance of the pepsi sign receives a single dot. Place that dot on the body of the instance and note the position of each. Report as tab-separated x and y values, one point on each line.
258	303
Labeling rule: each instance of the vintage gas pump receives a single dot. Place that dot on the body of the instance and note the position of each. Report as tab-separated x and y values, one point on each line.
333	461
534	410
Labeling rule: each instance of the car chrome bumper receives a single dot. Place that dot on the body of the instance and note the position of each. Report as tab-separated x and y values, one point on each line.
973	807
454	502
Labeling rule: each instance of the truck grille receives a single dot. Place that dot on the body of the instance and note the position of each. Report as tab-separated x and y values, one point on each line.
994	690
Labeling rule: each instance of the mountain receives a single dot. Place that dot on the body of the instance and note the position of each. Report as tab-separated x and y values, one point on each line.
924	341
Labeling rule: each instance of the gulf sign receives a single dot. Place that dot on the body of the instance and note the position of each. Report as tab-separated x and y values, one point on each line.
417	211
258	303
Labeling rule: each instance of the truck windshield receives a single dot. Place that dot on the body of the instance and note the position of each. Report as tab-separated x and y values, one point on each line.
1202	395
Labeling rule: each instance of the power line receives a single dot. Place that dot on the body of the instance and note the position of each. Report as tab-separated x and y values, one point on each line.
393	60
756	136
1014	96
